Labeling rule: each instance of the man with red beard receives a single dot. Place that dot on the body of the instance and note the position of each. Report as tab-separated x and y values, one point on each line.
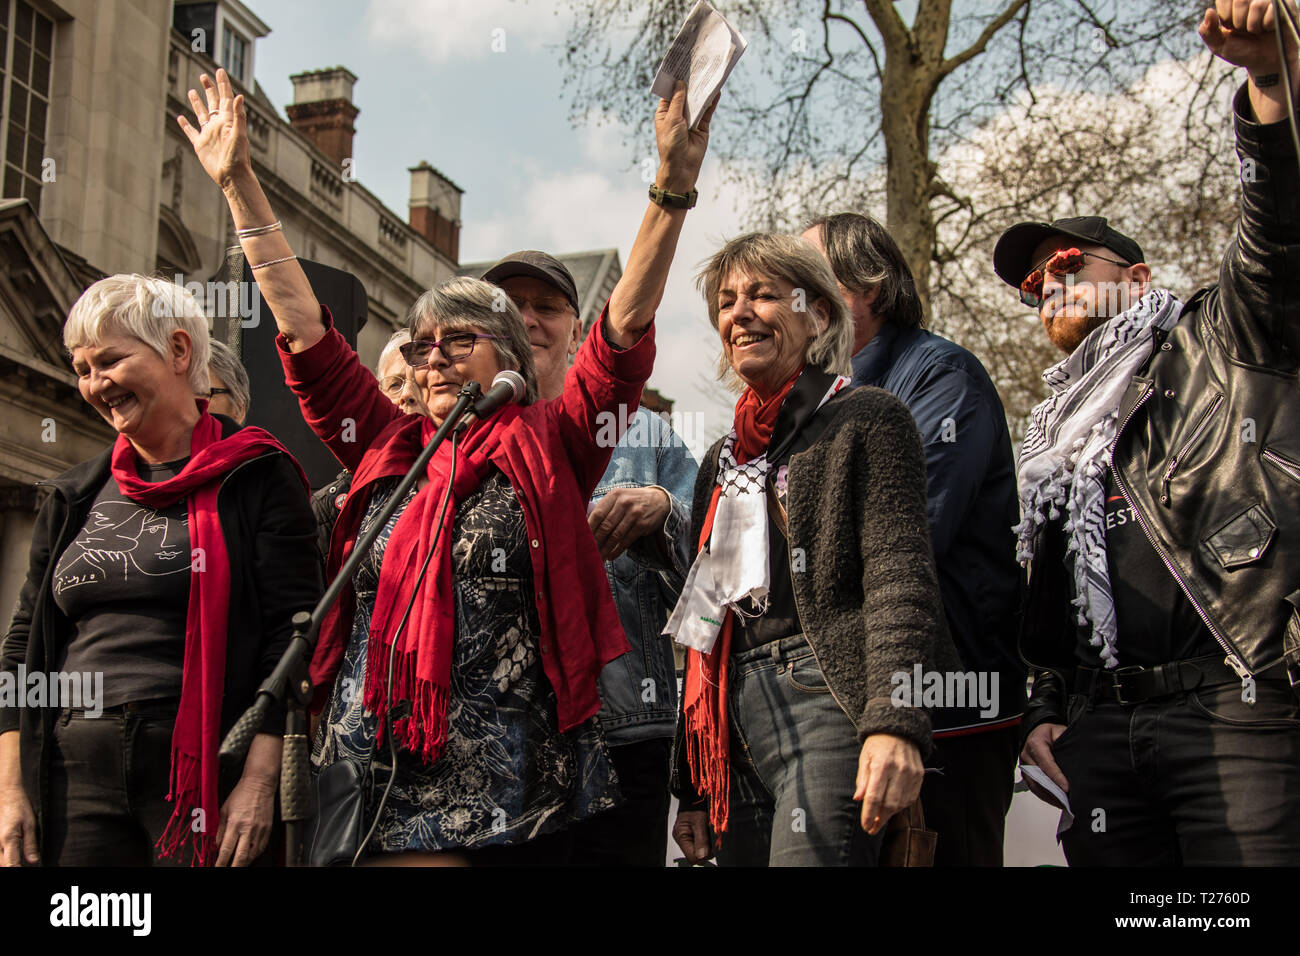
1160	485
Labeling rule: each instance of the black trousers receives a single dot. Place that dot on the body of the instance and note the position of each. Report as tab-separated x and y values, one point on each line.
636	832
1202	778
108	782
966	803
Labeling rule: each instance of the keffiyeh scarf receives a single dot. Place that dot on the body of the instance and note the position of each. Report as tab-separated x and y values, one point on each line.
730	566
1064	456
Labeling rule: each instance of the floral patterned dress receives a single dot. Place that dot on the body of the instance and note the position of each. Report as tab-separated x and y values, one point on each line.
506	774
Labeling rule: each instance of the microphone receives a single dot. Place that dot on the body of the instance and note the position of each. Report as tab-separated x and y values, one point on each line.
507	388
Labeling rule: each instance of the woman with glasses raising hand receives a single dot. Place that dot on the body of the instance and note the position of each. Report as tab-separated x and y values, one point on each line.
489	655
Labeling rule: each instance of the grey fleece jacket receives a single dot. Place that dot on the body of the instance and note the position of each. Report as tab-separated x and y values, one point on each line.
868	597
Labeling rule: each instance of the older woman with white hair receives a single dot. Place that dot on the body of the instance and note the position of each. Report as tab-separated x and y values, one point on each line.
813	588
473	632
171	565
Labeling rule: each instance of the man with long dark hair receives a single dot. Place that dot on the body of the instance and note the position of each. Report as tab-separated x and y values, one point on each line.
972	505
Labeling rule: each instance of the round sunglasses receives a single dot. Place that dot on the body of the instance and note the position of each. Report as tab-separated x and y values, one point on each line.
455	346
1063	262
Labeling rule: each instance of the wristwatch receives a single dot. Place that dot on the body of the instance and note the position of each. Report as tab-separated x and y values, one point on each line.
669	200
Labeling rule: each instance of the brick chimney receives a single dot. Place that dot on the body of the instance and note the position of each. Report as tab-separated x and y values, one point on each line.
435	209
322	110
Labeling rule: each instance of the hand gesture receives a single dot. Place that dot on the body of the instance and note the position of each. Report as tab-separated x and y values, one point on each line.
625	515
221	141
1242	32
691	832
889	779
245	825
17	828
681	149
1038	753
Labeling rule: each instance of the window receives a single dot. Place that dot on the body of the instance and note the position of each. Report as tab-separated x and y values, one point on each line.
234	54
26	49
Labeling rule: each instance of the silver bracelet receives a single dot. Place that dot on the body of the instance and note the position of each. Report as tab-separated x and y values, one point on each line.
273	262
259	230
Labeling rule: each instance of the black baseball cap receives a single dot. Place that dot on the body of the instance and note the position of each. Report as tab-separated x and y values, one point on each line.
1012	256
537	265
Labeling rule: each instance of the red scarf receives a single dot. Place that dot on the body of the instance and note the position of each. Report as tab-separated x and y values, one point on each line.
196	738
422	664
707	731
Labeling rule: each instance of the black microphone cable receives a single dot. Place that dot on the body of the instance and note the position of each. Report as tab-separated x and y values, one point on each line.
392	653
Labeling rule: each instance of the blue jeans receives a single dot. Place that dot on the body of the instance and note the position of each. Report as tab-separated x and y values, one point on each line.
794	765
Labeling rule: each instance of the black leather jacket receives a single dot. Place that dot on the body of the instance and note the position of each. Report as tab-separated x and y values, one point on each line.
1208	450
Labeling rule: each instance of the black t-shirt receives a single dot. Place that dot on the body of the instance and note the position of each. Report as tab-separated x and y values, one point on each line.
781	619
124	583
1156	623
798	425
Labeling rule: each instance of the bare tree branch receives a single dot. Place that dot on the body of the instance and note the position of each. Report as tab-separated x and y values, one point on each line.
978	47
828	15
885	16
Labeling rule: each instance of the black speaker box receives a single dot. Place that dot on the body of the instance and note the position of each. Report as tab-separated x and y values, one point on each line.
248	327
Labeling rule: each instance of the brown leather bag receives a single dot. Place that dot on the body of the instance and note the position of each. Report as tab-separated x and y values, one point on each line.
907	842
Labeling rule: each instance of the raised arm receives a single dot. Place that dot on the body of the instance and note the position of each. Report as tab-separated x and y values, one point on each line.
681	152
1243	33
1258	279
617	356
221	144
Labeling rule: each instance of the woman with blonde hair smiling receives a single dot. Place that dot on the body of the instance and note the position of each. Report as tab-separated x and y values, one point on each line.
813	587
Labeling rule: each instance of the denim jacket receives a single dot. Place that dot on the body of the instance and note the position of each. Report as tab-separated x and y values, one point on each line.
638	691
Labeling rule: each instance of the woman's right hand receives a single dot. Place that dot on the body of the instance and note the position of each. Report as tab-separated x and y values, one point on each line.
221	141
691	831
17	827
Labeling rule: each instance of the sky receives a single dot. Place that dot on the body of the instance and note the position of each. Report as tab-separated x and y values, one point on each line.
432	87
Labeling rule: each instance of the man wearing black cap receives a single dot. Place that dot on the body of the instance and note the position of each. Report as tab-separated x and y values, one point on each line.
640	515
1160	485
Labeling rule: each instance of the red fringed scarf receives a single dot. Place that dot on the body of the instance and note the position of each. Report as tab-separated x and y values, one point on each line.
196	738
707	733
422	663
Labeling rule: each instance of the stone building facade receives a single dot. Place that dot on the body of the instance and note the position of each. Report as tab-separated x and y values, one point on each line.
99	179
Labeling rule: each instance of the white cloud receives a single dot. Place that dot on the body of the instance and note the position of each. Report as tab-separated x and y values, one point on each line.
450	30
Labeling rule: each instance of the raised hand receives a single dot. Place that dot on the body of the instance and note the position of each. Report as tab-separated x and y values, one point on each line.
221	141
1242	32
681	149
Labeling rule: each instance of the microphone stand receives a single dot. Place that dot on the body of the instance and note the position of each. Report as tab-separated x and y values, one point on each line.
290	684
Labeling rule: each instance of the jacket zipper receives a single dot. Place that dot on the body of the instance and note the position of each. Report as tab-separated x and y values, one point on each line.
1286	464
1233	658
1187	446
799	610
241	465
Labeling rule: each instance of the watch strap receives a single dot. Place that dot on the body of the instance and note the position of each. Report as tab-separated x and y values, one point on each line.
663	197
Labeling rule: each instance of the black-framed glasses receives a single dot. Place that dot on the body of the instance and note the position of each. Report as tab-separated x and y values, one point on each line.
214	392
455	347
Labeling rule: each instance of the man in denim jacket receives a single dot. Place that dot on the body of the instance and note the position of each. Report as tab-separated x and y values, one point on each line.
640	515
